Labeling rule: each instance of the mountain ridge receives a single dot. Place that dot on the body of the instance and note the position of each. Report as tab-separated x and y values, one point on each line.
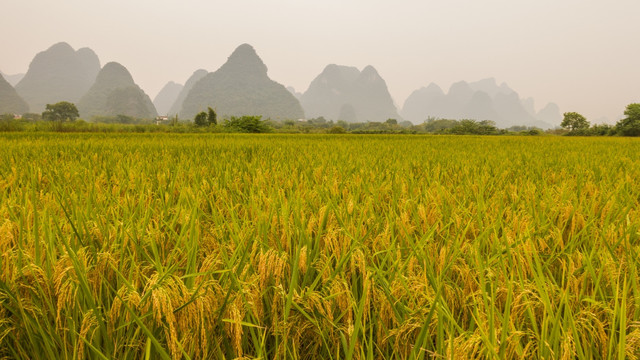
480	100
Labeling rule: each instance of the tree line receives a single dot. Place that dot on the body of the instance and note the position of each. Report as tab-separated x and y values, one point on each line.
576	124
63	116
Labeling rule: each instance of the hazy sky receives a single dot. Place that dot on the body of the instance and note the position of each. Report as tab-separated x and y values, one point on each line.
582	54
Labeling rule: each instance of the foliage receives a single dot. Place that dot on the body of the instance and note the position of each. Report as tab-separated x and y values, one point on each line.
433	125
61	111
8	123
574	121
212	117
594	130
247	124
337	130
472	127
120	119
630	126
156	246
200	119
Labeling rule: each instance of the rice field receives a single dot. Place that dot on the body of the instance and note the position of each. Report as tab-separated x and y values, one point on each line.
169	246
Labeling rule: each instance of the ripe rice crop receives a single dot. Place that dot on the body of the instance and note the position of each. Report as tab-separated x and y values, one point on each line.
168	246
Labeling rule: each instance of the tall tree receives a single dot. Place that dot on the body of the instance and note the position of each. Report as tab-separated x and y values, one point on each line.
574	121
630	126
212	118
200	119
60	111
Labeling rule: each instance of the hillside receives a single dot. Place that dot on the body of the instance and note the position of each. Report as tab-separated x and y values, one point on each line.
58	74
193	79
10	101
480	100
115	93
167	97
346	93
242	87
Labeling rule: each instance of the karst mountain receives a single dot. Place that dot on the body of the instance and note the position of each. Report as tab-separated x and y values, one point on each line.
115	93
241	87
480	100
193	79
166	97
10	101
346	93
59	73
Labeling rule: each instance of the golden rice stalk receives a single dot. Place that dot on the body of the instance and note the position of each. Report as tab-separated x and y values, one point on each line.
89	323
165	297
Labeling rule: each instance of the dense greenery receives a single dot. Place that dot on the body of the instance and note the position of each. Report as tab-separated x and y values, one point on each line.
206	118
200	119
208	122
247	124
212	117
574	122
630	126
170	246
60	111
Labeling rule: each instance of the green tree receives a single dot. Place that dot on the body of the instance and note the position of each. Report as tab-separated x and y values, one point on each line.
434	125
212	118
630	126
247	124
200	119
60	111
574	121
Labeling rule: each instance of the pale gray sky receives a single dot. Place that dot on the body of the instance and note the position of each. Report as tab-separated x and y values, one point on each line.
581	54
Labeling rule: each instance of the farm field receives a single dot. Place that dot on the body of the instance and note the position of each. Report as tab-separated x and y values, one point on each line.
169	246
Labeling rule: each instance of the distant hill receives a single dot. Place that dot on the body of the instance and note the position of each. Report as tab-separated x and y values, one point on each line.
242	87
551	114
193	79
115	93
424	102
166	97
345	93
12	79
10	101
481	100
58	74
293	91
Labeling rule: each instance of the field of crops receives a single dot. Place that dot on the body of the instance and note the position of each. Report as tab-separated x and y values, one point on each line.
117	246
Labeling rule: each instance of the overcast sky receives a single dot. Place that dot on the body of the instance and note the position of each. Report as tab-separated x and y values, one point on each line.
582	54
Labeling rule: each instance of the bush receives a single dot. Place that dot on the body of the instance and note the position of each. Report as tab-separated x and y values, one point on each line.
337	130
247	124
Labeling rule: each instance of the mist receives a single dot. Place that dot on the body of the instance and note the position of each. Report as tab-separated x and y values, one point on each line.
578	55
